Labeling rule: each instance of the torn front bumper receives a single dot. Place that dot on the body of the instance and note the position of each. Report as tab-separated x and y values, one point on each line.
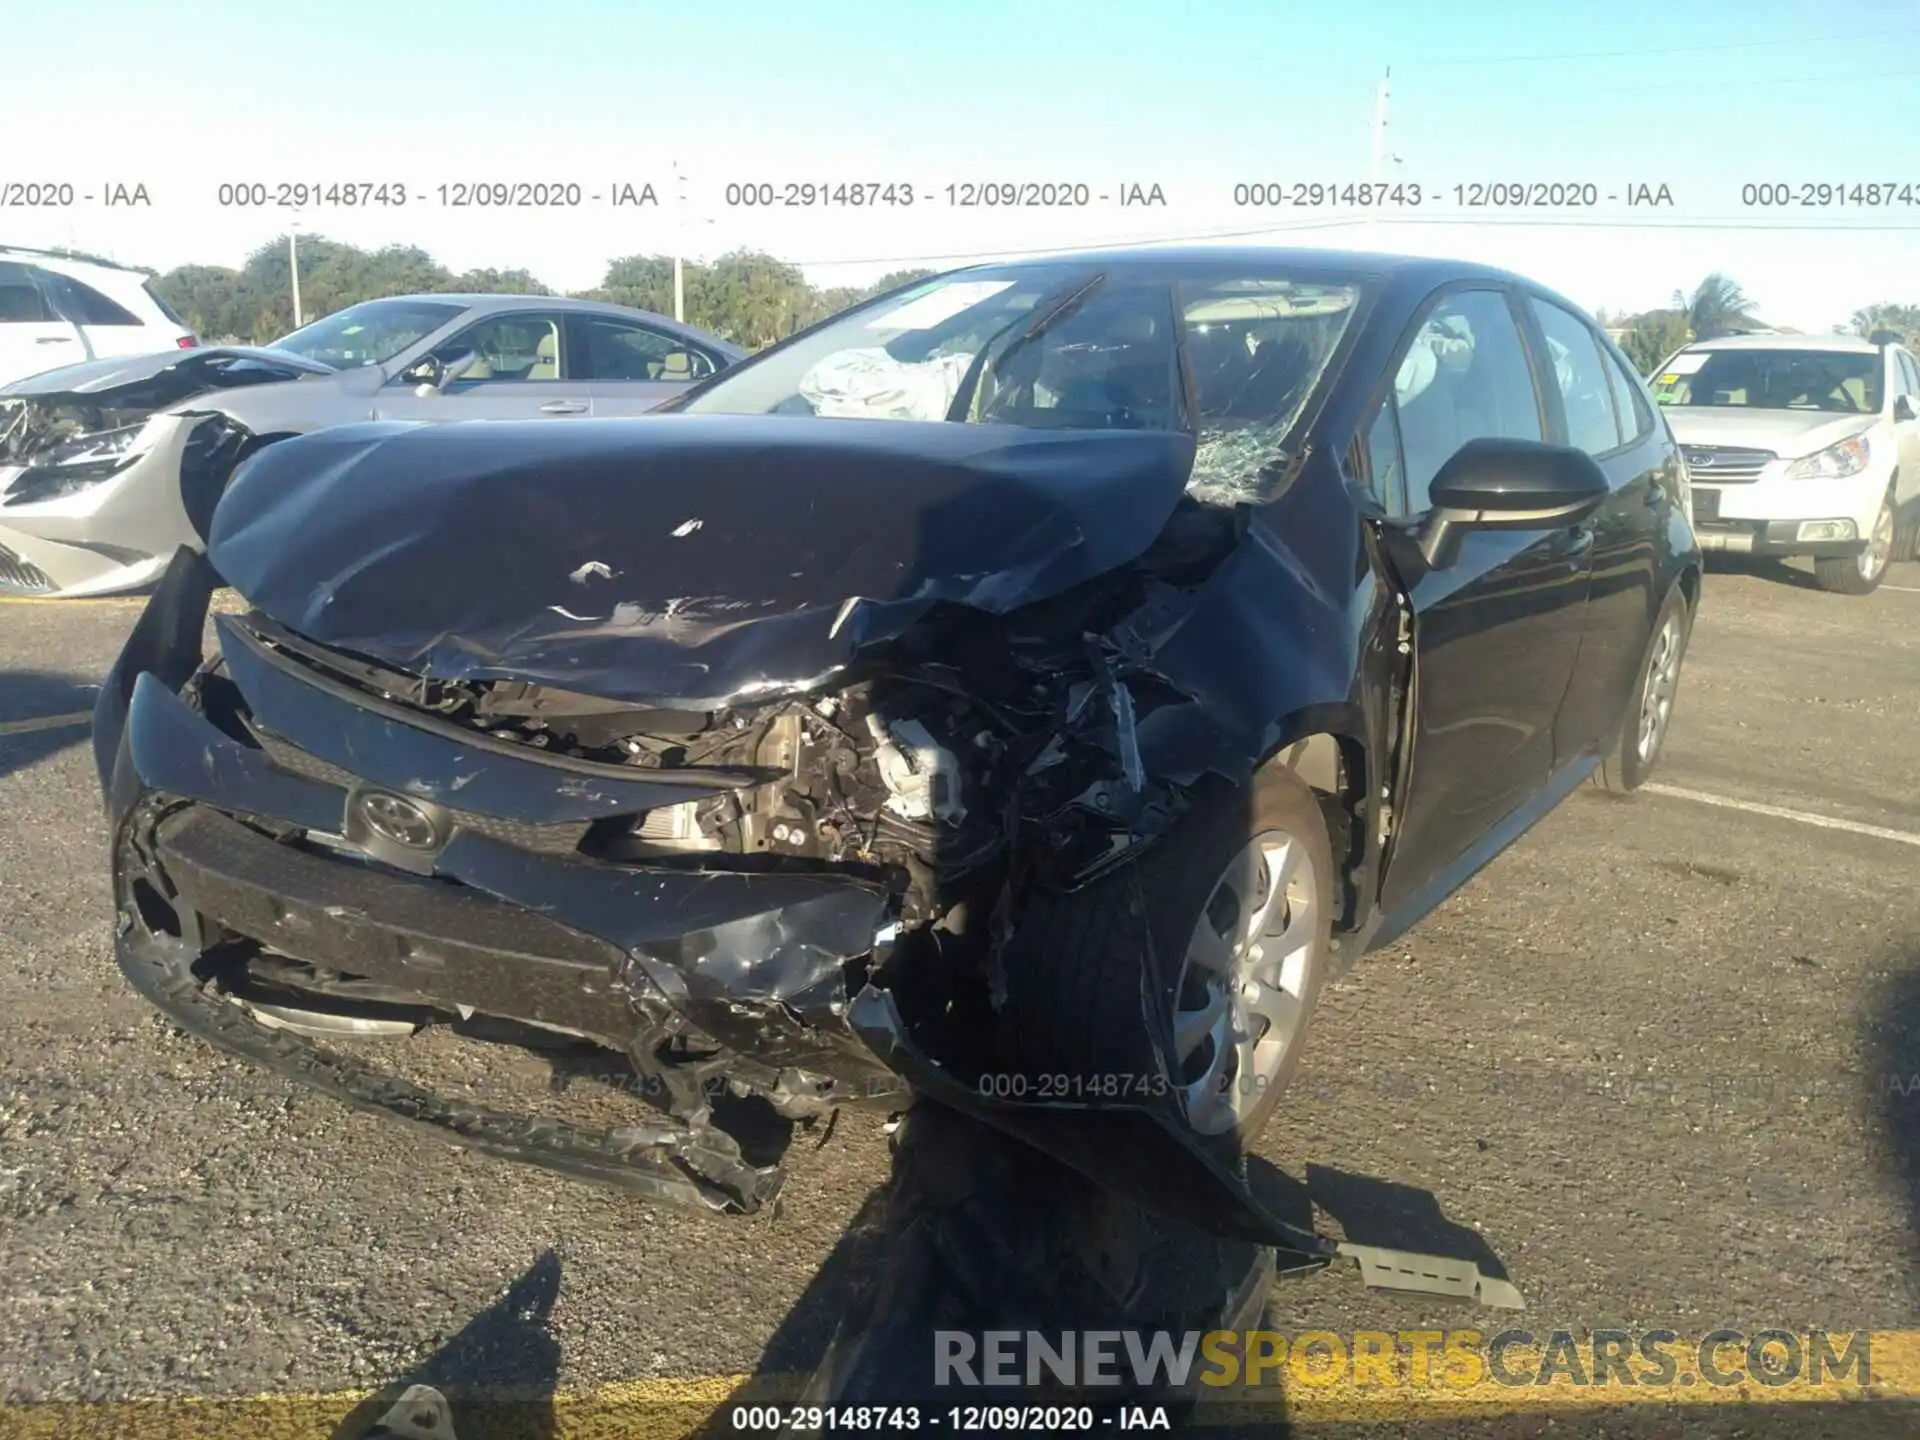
114	535
785	975
214	838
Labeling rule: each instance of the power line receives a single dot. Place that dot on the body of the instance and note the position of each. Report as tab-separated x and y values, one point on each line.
1852	77
1363	217
1664	50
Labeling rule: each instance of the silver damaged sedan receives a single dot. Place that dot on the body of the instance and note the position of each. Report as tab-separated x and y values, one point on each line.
107	467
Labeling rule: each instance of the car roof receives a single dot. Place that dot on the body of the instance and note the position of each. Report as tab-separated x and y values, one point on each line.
1359	264
28	254
485	304
1842	344
479	301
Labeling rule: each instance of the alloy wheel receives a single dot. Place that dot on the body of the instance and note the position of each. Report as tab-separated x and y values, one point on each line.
1879	549
1656	697
1241	998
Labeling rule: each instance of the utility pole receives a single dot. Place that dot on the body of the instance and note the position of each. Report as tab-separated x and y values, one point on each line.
679	245
1380	125
293	260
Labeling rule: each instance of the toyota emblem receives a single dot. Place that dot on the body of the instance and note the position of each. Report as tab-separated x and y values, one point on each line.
399	820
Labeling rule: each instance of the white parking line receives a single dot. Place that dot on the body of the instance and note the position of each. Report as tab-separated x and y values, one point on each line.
1778	812
1903	589
45	722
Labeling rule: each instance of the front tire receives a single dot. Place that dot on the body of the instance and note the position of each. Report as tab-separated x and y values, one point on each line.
1225	923
1861	574
1627	766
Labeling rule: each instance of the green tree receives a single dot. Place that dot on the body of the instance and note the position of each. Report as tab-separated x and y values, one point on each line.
1652	338
488	281
894	279
750	298
1904	320
1716	307
642	281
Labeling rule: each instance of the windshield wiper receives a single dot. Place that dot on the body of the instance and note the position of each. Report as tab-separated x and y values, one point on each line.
1043	319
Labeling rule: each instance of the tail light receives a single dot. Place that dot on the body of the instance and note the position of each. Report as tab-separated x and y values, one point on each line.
187	342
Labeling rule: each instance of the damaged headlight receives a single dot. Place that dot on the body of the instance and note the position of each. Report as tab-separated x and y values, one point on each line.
77	462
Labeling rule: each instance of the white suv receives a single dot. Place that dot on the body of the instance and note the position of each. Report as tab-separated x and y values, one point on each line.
1801	445
58	309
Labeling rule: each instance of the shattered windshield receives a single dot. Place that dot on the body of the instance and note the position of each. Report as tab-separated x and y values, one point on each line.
1258	347
371	333
1046	347
1846	382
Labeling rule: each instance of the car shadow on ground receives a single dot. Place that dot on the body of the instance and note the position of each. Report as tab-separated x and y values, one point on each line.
859	1289
30	697
1893	1078
498	1374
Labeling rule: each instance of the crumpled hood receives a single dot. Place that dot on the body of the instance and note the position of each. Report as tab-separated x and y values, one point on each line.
165	377
678	559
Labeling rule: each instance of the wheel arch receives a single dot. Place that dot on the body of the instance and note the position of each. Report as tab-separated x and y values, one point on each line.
1326	750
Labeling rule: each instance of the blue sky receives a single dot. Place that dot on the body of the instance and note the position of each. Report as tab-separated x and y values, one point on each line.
1193	96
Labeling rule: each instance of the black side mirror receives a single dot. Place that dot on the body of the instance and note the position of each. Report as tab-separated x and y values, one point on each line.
1495	484
1903	408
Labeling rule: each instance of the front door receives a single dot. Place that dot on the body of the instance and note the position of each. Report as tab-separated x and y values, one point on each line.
521	372
1496	632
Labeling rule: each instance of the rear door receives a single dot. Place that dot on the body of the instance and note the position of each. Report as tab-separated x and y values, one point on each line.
522	373
1495	633
106	326
33	335
631	367
1593	405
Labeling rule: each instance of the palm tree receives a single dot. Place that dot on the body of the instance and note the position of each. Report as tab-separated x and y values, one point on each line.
1716	307
1902	319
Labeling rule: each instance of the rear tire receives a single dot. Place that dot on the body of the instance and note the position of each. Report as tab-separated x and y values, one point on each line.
1079	966
1629	763
1861	574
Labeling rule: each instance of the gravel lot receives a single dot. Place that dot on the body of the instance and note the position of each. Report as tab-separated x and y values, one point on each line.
1656	1056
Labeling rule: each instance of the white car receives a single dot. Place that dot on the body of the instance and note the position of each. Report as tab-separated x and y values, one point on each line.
58	310
1801	445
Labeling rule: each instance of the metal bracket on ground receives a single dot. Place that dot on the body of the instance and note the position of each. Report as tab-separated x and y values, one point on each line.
1410	1270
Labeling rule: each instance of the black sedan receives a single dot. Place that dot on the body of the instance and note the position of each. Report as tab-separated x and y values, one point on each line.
1022	690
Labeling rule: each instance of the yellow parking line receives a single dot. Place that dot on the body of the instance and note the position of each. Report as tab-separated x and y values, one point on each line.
73	599
45	722
670	1408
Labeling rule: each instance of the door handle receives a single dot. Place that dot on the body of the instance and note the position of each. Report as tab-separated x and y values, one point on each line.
564	407
54	340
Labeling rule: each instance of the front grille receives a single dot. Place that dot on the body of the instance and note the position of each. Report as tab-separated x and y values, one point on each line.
23	576
1725	464
562	838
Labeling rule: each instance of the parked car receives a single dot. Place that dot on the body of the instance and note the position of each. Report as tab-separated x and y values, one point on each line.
107	467
59	309
1026	687
1801	445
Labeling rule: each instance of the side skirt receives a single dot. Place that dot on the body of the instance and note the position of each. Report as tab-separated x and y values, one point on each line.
1521	819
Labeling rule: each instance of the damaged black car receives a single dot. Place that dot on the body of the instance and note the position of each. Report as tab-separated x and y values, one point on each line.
1022	690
